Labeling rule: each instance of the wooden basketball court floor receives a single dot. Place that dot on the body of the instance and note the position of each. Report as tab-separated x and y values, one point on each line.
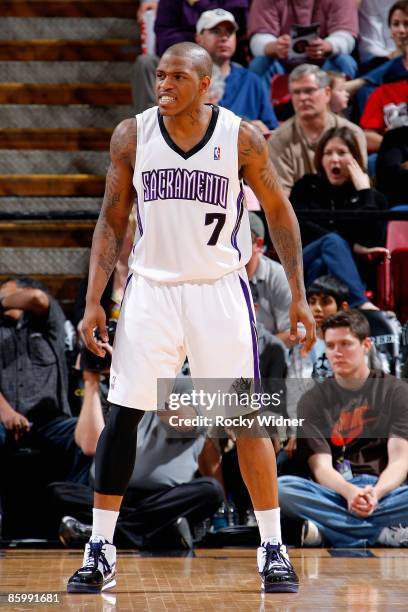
211	580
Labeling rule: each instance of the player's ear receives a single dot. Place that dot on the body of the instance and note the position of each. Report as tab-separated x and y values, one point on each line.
204	84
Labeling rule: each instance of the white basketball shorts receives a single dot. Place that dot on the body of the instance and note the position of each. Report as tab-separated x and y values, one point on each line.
213	323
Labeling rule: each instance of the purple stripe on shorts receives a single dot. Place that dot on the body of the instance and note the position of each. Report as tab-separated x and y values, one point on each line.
126	286
257	375
240	210
139	221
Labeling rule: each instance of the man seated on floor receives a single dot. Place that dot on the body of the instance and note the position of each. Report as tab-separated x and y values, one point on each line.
164	499
355	440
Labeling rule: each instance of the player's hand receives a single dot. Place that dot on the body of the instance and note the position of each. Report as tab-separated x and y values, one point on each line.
318	48
299	312
93	330
15	422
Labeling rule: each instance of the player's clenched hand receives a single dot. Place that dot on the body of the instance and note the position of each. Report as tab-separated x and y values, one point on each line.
94	332
299	312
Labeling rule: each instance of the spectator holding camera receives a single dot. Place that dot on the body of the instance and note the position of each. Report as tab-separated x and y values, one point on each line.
165	500
34	408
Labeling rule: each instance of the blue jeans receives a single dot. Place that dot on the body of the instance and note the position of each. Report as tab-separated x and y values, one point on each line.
267	67
56	441
331	254
305	499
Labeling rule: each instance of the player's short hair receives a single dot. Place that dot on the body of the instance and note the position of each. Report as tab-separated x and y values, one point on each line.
329	285
305	70
401	5
200	57
353	319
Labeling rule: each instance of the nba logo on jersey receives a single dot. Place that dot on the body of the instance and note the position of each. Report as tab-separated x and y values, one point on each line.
217	153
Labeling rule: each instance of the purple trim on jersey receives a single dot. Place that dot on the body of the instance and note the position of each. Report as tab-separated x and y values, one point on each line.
254	335
126	286
139	221
240	210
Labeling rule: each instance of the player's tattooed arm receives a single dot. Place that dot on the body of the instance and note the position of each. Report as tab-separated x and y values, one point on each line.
116	206
258	171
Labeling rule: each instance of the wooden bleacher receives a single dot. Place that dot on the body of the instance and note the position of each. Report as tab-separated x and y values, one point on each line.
41	208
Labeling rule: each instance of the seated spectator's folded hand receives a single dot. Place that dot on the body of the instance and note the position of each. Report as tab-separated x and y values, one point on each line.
365	502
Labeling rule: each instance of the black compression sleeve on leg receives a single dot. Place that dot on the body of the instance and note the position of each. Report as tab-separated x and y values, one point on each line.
116	450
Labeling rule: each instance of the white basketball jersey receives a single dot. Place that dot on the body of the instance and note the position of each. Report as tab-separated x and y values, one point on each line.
190	207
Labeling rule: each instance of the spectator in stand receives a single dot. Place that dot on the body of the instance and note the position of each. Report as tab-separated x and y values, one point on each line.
292	146
34	409
244	93
392	165
164	499
175	22
386	106
396	68
340	184
358	496
339	97
269	29
325	296
375	42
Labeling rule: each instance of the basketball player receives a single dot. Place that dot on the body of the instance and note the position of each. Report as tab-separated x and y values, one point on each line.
188	293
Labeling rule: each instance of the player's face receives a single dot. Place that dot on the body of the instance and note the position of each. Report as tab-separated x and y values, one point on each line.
399	28
335	161
220	41
345	352
308	98
178	85
322	306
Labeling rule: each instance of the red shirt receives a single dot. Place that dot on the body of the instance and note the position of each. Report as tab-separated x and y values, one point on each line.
391	93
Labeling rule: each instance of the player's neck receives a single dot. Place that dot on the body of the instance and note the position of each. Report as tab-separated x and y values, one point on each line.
192	122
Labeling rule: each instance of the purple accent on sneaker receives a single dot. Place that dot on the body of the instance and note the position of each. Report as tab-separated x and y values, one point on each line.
240	210
254	335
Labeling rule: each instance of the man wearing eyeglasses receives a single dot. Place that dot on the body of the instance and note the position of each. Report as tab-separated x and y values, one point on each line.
292	146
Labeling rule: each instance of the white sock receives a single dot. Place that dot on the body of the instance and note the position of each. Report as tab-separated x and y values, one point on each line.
269	525
104	523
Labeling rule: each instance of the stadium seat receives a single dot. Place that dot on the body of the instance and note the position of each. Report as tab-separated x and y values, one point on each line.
280	97
391	280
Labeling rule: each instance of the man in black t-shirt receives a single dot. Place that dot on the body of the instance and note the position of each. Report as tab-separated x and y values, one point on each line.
355	441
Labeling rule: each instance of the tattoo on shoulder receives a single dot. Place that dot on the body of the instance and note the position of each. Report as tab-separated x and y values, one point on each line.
123	141
250	141
268	175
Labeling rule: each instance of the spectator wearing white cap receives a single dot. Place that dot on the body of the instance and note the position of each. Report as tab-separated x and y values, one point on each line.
243	94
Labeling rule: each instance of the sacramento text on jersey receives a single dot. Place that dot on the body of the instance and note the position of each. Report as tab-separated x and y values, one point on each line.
181	184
